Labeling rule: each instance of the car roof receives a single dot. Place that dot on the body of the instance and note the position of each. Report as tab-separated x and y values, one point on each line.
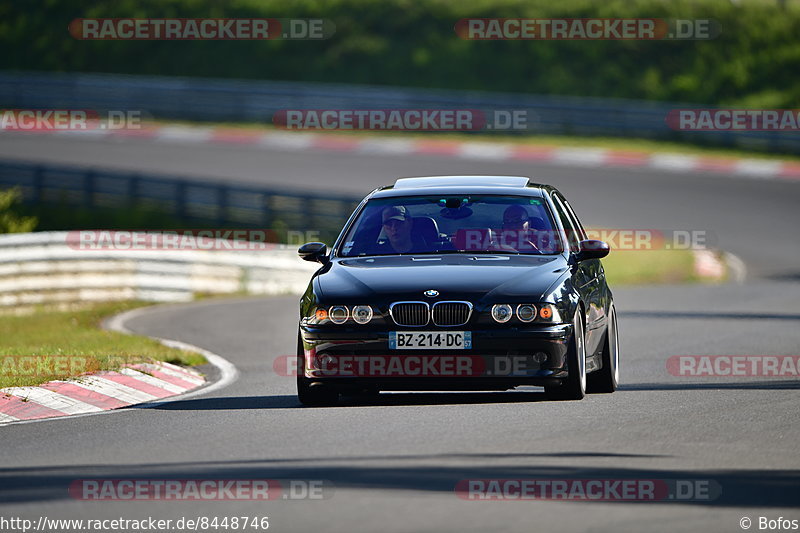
461	185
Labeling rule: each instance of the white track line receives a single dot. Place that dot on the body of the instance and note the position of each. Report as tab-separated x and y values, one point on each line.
189	378
228	374
736	267
4	418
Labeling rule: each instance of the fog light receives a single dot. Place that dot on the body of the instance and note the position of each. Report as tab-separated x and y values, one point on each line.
501	313
362	314
338	314
326	362
540	357
526	312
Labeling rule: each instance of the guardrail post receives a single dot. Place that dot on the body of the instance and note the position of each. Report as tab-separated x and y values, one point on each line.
266	212
313	221
38	184
180	200
88	188
222	205
133	190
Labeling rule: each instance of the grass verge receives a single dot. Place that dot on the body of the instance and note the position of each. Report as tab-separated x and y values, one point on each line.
68	343
639	267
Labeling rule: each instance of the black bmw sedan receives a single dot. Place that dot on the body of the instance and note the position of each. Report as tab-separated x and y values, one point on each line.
458	283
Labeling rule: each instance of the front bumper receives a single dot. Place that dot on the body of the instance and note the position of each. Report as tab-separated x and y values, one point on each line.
499	359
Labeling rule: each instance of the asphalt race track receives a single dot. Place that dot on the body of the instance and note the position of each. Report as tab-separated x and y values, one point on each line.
392	463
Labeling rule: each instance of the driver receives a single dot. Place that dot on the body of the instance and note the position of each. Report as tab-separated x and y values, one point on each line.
397	226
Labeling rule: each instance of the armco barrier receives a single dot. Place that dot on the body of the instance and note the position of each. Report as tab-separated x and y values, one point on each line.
257	101
217	203
42	268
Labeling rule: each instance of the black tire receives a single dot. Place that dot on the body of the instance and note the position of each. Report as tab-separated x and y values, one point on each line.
574	386
312	396
606	379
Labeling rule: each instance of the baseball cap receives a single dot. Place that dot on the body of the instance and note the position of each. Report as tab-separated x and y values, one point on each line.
395	213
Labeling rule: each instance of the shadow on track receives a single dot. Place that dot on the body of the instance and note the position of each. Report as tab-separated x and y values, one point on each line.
707	315
778	384
289	401
393	399
739	487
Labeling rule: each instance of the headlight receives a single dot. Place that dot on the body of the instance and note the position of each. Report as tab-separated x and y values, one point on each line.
526	312
362	314
338	314
549	313
501	313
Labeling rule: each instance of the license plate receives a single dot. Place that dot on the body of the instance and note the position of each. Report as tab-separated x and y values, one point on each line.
430	340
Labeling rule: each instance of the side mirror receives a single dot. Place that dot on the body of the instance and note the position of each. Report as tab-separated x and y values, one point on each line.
313	251
591	249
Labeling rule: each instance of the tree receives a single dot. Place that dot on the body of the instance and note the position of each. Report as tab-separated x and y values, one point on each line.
10	219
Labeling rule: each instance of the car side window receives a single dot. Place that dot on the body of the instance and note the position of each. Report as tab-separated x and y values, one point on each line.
573	217
572	234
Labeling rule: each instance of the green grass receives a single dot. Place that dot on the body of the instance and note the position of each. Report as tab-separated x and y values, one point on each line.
639	267
69	343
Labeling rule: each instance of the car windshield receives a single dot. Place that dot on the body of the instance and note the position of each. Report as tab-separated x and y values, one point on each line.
452	224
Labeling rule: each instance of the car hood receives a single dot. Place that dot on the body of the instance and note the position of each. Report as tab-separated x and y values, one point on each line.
460	276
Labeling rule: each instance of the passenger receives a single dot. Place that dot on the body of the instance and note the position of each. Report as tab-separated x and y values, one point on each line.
516	233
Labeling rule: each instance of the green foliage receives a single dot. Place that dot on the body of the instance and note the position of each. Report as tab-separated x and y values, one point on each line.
412	42
10	219
47	334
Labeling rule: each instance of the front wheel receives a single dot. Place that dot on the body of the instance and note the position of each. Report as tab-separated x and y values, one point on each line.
308	394
574	386
606	379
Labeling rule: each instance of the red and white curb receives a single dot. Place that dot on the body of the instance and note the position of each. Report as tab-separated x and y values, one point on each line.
145	384
709	264
97	392
485	151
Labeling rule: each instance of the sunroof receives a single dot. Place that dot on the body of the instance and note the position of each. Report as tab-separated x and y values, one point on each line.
456	181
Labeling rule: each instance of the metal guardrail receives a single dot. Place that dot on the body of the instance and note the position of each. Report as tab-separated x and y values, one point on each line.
257	101
185	200
43	268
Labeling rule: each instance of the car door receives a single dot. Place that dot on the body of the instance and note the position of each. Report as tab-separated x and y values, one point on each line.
586	275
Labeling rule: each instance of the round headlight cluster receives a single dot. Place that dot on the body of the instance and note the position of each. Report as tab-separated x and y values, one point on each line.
362	314
502	313
526	312
338	314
